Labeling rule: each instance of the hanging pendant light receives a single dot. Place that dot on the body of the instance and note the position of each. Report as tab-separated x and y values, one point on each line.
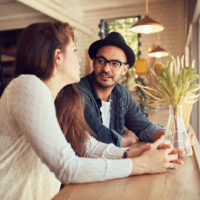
147	25
158	52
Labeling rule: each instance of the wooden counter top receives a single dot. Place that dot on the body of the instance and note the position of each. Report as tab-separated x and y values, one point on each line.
180	184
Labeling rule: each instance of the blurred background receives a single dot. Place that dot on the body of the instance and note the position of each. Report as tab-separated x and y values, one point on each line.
93	20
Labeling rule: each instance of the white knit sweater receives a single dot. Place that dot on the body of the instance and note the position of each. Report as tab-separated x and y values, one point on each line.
34	151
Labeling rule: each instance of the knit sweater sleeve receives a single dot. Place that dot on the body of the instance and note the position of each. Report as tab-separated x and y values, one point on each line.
97	149
32	108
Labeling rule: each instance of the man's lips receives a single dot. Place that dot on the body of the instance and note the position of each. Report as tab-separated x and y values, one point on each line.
104	75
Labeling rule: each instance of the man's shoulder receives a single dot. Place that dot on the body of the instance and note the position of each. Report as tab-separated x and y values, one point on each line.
121	90
85	86
84	83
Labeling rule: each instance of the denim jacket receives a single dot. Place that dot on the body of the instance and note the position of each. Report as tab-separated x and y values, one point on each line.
124	113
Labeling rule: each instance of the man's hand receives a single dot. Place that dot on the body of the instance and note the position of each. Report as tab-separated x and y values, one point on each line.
128	138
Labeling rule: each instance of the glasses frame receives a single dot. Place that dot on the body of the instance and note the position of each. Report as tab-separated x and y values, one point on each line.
108	61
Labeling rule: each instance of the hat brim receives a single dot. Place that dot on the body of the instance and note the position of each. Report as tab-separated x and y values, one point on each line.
94	47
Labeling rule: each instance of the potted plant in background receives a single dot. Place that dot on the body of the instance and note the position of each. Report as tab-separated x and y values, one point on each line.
173	87
129	81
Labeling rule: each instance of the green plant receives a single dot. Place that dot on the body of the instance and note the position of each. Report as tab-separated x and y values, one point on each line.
129	81
172	83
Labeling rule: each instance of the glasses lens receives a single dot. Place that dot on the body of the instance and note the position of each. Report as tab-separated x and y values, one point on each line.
100	61
115	64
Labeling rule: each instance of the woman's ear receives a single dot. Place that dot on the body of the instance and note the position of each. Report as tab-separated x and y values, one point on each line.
58	60
58	57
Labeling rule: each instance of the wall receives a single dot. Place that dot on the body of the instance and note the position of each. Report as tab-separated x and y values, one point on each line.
171	16
18	15
82	42
14	15
193	46
195	55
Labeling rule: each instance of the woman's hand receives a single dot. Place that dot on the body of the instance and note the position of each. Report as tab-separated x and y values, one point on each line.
135	152
157	159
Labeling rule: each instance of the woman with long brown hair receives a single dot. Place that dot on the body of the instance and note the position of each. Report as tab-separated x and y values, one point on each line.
35	156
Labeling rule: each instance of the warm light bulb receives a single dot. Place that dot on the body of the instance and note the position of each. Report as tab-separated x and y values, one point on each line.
142	29
147	29
158	52
147	25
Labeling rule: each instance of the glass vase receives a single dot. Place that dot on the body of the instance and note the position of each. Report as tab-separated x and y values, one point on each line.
176	133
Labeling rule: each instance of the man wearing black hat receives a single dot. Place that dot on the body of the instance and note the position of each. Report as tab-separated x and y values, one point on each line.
109	107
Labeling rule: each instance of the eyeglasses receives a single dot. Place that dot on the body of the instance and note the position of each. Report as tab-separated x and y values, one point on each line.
114	64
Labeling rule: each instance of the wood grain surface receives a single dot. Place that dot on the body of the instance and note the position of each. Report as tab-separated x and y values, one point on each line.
180	184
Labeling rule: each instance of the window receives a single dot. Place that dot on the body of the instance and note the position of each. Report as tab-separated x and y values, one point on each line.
123	26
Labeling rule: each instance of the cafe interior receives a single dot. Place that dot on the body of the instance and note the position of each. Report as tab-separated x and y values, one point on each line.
173	30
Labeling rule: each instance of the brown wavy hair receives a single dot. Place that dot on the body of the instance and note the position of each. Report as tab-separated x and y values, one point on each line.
35	55
36	48
70	113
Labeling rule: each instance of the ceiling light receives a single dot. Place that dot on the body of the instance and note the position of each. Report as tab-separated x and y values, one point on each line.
158	52
147	25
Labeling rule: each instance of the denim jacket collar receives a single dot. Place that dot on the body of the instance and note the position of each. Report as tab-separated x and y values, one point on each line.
94	92
124	112
117	92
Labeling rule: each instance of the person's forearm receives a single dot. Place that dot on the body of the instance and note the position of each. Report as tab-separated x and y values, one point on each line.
97	149
158	134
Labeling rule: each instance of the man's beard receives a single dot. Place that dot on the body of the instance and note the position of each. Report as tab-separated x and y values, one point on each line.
100	85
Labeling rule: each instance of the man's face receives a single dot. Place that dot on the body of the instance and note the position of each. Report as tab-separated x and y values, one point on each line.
108	74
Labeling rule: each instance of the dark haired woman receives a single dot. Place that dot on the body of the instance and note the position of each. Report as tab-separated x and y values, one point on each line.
35	157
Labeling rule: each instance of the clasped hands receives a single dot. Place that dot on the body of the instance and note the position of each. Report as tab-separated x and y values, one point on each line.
156	157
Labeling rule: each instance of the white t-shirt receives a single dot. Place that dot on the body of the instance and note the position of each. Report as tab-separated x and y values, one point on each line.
105	111
34	151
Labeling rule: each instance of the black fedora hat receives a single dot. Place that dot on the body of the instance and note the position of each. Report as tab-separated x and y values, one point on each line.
115	39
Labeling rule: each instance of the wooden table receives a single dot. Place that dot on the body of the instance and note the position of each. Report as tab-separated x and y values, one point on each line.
180	184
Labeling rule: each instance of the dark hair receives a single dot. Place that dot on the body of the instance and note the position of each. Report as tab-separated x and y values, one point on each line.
37	45
70	113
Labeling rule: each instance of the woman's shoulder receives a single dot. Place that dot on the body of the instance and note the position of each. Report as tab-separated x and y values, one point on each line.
26	79
27	84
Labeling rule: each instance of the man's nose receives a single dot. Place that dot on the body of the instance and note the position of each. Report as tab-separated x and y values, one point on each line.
106	67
